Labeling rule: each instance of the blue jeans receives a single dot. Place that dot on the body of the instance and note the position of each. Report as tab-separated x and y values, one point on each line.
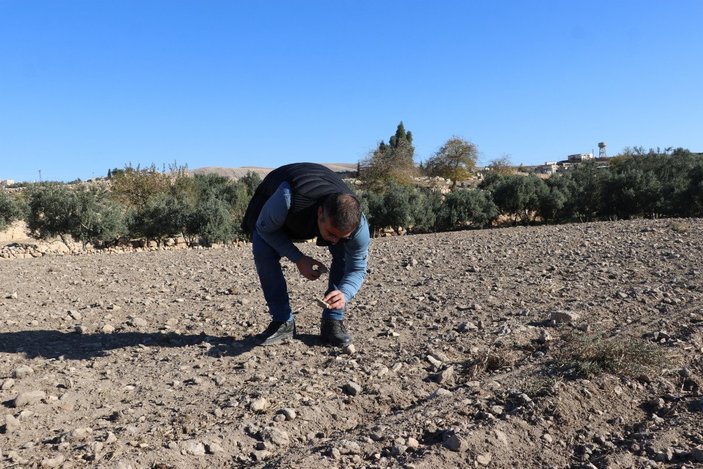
273	283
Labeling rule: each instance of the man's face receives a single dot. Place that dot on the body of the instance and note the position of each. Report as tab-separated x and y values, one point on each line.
328	231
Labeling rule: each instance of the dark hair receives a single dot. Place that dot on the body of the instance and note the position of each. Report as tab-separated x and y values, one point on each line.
344	210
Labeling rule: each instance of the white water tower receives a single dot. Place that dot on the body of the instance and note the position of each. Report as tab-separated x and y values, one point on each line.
601	150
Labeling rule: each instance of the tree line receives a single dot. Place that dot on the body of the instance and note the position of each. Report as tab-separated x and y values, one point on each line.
135	204
149	204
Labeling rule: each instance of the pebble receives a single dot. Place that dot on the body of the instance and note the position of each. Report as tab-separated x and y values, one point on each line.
29	398
56	461
348	447
7	384
138	322
214	448
446	375
276	436
436	363
352	388
563	317
259	405
484	459
349	349
22	371
441	392
548	438
11	424
454	442
81	433
467	326
193	447
108	329
288	413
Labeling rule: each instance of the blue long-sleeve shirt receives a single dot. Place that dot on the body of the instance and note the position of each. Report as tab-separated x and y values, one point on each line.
270	224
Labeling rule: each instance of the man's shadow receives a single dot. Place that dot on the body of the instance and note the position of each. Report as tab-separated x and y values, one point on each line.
77	346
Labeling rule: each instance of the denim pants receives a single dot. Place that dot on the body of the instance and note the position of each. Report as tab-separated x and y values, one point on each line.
273	283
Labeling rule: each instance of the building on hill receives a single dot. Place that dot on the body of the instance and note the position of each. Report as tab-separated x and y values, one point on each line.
579	157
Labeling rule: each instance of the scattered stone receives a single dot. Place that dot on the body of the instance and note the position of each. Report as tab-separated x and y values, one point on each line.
276	436
412	443
193	447
484	459
446	376
7	384
29	398
138	322
563	317
288	413
547	438
467	326
352	388
436	363
78	434
349	349
441	392
454	442
12	424
259	405
22	371
75	315
261	455
108	329
56	461
213	448
348	447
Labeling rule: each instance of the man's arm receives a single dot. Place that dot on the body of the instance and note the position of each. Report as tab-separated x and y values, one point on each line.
270	223
356	252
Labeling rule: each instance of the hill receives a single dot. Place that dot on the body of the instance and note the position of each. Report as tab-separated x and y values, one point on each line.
236	173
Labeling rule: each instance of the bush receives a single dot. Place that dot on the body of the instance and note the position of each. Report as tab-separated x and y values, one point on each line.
213	222
466	208
88	215
11	209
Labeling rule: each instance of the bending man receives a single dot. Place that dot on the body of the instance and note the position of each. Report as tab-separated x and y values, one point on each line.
303	201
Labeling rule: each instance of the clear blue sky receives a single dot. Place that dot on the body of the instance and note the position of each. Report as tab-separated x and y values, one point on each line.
91	85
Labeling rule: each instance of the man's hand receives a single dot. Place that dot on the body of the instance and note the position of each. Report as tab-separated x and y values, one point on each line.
306	266
335	299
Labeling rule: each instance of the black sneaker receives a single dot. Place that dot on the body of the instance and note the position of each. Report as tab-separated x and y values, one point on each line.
277	332
333	332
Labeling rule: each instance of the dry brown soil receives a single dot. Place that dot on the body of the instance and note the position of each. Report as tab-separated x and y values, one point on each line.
147	359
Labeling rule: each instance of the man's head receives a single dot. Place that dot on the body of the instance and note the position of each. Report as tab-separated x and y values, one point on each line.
338	217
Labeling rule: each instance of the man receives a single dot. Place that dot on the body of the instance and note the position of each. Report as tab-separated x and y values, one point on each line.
302	201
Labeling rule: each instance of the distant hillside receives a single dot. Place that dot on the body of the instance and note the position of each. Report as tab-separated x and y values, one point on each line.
236	173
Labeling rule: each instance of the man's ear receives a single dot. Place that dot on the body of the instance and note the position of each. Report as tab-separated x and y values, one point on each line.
319	211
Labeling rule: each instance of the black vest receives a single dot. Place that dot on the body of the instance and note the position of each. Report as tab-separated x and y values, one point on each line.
310	184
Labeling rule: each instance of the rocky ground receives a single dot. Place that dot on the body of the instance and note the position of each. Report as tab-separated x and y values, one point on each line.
561	346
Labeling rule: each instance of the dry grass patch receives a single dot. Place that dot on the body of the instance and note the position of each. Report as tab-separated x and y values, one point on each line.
587	356
679	227
488	362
